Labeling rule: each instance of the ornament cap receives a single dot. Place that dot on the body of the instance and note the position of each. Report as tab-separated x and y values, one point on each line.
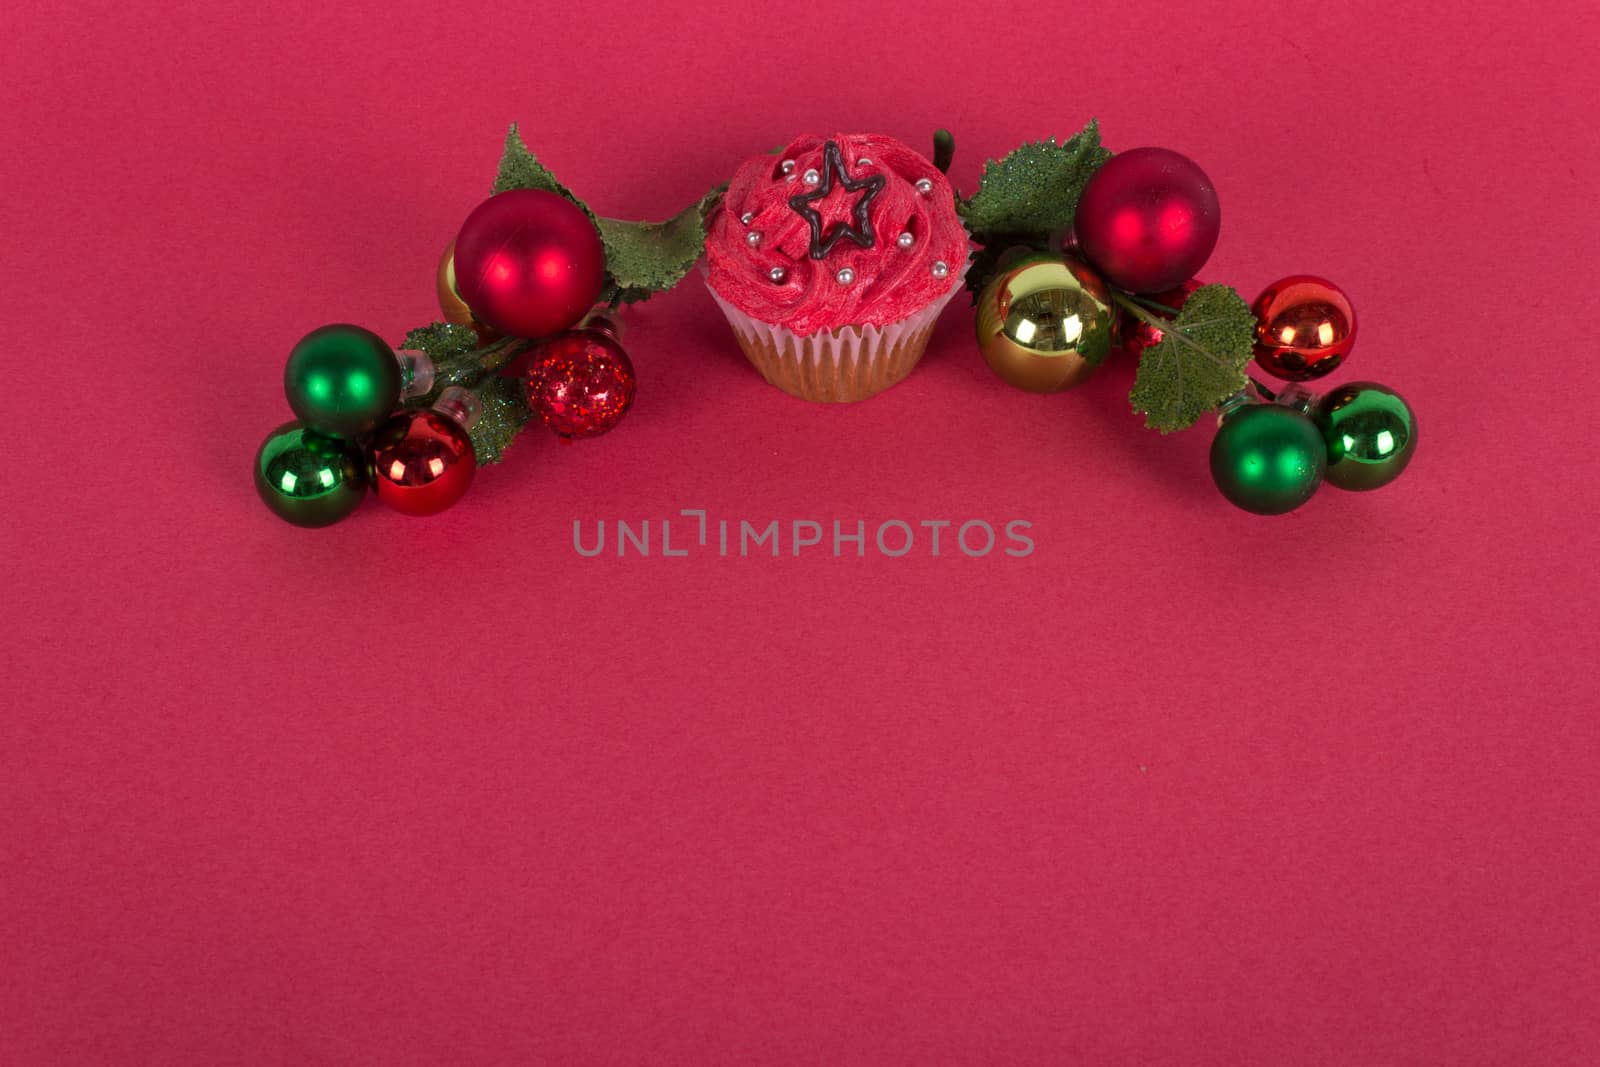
1297	397
1239	401
416	373
461	405
607	321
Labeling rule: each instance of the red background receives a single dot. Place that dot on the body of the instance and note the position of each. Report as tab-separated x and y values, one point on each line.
1183	786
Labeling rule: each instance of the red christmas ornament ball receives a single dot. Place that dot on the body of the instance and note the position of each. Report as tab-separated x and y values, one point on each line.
581	383
422	462
1305	326
1148	220
529	263
1135	335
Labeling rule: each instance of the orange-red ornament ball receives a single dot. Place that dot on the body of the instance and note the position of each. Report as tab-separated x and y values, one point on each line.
1305	326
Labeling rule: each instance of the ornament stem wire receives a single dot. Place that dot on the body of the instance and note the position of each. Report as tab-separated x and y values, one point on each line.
1148	305
1135	306
473	368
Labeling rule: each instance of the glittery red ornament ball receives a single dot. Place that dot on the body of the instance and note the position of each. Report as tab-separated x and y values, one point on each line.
529	263
1136	335
581	383
422	462
1148	220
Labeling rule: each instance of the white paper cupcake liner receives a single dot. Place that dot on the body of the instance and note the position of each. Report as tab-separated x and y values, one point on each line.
836	366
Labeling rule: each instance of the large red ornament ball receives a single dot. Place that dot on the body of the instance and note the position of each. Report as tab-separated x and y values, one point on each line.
581	383
422	462
1305	326
1148	220
529	263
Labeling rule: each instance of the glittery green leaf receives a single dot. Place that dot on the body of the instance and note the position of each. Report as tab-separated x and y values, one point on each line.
505	412
1034	190
1198	363
440	340
643	258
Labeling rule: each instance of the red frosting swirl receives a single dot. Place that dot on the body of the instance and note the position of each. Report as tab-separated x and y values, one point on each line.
889	282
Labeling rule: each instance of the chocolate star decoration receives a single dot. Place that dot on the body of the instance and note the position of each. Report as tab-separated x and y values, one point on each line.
861	232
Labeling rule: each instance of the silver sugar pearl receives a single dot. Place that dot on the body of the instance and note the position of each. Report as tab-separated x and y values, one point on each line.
811	177
941	269
924	186
753	238
845	276
905	240
747	218
788	166
777	274
863	162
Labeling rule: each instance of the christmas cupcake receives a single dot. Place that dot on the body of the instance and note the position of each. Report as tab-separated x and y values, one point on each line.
832	261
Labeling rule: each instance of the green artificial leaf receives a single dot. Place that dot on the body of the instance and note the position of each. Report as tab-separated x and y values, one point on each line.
1198	363
519	169
505	412
643	258
1034	190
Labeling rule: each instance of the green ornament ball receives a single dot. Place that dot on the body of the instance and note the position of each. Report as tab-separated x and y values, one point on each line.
1267	458
307	478
1371	434
342	380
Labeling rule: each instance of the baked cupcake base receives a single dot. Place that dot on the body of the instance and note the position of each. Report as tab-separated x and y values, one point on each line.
839	366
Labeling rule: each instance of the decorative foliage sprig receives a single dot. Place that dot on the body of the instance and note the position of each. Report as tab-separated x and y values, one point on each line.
642	259
1027	201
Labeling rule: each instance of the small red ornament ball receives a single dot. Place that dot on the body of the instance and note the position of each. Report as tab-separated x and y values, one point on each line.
1305	326
422	462
581	383
529	263
1148	220
1135	335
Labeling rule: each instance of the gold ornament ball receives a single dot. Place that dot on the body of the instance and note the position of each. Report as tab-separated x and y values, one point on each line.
1045	323
455	309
